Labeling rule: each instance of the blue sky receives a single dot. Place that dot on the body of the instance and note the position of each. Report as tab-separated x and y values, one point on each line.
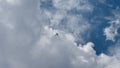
59	33
102	10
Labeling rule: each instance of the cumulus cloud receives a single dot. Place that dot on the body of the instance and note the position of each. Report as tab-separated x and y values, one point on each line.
28	36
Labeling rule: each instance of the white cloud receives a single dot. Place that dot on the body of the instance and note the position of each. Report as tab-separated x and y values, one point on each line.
62	20
112	61
112	31
63	51
32	43
71	4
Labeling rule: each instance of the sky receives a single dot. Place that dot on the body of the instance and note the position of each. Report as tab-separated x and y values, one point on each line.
59	33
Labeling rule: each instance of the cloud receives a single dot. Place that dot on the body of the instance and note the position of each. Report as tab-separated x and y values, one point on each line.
63	51
28	37
13	2
66	53
62	17
71	4
112	31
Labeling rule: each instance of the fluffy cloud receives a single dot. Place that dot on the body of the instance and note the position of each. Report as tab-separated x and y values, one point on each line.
28	36
63	50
